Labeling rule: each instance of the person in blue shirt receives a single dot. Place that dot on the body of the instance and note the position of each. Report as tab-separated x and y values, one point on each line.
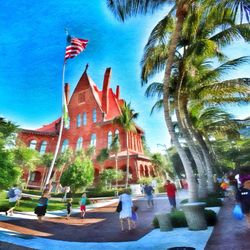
148	190
42	205
82	203
243	197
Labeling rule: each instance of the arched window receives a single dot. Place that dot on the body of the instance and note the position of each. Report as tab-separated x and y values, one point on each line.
33	144
117	133
79	144
84	119
109	138
65	145
94	115
78	120
67	123
43	147
93	140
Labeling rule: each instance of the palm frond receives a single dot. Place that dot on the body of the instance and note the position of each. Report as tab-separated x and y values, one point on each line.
123	9
231	34
161	31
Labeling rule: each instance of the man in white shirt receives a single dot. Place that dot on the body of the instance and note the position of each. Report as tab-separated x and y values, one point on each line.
14	196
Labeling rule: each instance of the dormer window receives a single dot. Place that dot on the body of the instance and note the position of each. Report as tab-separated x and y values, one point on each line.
84	119
78	120
81	97
94	115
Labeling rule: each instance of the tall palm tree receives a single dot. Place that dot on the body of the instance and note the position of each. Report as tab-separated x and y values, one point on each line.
123	9
115	148
126	121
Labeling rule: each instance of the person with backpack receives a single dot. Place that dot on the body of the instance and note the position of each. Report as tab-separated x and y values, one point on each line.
41	208
14	195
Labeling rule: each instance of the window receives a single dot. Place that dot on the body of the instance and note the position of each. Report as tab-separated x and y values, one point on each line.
109	138
84	119
117	133
67	124
94	115
78	121
43	147
93	140
65	145
81	97
79	144
33	144
32	176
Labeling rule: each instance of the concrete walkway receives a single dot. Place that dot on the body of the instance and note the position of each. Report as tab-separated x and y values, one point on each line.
229	233
105	234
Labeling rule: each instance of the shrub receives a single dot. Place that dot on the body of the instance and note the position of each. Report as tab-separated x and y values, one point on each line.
210	201
178	219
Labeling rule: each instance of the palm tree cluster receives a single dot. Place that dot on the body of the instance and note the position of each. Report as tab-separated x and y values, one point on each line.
185	45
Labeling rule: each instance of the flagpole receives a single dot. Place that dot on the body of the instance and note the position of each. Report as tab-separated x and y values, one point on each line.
61	127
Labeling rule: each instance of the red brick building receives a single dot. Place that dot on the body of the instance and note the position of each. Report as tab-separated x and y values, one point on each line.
91	112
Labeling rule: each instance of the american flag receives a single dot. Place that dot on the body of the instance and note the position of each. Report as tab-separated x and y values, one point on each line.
75	47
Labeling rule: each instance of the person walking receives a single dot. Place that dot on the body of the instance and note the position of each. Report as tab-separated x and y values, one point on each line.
243	197
69	207
82	203
134	216
171	191
14	195
148	190
126	212
41	208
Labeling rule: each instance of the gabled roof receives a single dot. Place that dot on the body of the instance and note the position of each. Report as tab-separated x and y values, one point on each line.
49	127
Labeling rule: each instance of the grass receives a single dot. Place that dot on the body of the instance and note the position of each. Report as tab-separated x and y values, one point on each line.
30	204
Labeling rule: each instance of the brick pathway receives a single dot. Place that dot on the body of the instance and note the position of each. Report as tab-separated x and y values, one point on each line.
99	225
229	233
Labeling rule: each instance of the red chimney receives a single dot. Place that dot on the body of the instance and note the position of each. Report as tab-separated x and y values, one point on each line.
66	91
105	90
117	92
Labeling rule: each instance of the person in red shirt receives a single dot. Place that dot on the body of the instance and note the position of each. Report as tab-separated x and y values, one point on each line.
171	190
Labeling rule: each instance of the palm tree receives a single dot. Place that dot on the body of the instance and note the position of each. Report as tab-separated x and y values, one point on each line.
125	9
27	158
115	148
126	121
102	157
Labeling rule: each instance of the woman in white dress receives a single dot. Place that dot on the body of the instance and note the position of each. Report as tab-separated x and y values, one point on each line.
126	212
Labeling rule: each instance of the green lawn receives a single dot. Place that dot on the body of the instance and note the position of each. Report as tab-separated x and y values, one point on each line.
29	205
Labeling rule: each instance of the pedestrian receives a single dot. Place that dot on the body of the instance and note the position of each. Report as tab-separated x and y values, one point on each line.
14	195
148	190
171	191
134	216
82	203
41	208
126	212
69	207
243	196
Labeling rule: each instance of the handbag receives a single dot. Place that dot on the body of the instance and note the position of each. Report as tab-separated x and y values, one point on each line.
237	212
119	207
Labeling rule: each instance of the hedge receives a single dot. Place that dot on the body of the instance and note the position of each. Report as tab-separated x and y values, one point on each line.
178	219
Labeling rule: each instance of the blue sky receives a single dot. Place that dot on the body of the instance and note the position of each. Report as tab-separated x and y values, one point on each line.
32	42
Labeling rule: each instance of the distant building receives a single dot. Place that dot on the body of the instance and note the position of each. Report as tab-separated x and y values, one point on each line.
91	112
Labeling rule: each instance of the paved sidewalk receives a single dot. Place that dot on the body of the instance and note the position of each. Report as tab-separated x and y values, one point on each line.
100	230
229	233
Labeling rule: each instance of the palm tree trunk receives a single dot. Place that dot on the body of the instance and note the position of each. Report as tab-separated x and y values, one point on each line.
192	185
28	179
127	167
116	170
200	165
204	150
